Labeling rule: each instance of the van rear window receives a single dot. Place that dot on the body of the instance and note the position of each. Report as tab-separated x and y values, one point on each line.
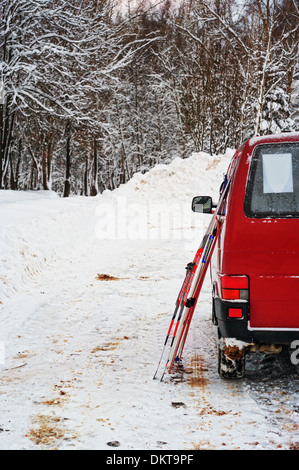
273	183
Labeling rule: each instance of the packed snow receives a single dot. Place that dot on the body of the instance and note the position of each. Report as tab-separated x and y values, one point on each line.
87	292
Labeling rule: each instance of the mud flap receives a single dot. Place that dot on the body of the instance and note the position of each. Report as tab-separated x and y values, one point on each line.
231	359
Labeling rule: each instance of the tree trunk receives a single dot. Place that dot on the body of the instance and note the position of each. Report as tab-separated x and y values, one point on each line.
7	129
86	175
49	161
19	159
94	186
12	179
44	169
67	186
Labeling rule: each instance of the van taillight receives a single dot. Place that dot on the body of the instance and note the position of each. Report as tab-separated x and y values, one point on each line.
235	313
235	287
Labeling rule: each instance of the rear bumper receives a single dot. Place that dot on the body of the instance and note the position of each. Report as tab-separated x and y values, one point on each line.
239	328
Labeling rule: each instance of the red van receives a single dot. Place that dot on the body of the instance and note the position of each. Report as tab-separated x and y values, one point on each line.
255	262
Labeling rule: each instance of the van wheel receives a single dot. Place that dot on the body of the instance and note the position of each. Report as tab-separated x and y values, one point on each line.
230	366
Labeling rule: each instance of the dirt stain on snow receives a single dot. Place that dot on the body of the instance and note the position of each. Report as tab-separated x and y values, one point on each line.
196	369
199	383
107	277
24	354
48	430
109	345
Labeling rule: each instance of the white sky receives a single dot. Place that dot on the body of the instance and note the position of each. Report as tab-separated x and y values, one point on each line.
134	3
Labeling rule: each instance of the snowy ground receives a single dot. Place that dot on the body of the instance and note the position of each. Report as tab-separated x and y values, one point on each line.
78	353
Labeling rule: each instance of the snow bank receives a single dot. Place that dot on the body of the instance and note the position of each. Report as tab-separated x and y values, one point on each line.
181	179
156	205
37	228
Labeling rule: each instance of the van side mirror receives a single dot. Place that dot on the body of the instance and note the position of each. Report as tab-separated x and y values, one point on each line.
202	204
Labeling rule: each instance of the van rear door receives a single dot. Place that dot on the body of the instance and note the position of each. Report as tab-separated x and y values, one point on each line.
272	204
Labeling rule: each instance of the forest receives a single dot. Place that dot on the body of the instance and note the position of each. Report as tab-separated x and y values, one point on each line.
92	91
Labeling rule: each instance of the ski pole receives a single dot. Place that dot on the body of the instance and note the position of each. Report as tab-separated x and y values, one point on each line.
181	295
184	299
191	303
206	260
181	321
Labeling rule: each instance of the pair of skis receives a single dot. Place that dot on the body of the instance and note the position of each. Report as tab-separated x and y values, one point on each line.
181	302
191	287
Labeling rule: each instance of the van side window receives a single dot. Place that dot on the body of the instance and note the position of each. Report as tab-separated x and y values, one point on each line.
273	182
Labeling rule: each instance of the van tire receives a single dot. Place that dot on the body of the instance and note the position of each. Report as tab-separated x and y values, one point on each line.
229	368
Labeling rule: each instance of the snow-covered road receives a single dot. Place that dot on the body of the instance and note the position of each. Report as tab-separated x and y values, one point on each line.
80	351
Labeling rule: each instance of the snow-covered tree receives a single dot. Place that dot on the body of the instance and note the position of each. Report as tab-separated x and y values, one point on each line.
58	60
93	93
